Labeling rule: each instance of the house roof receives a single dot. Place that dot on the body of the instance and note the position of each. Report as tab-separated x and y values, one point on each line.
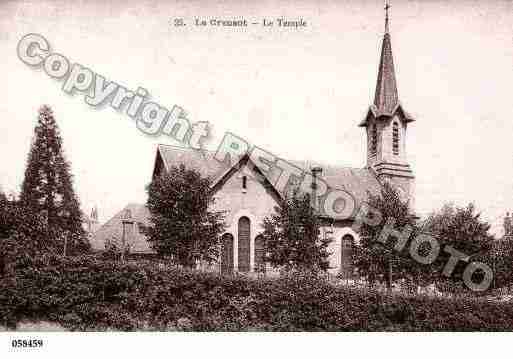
356	181
112	230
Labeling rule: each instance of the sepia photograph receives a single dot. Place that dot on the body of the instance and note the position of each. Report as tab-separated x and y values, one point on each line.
237	176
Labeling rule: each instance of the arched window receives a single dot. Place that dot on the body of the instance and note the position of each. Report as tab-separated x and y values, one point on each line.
374	139
395	138
226	253
244	236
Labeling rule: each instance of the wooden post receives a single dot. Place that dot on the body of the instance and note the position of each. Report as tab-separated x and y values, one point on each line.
65	245
494	268
390	274
123	241
126	219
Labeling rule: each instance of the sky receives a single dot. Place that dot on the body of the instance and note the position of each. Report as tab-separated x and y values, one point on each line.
298	93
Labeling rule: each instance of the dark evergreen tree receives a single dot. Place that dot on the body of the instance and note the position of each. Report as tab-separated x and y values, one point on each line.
291	236
4	229
5	225
47	188
183	225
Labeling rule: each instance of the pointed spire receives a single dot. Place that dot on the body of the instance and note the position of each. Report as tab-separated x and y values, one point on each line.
387	6
386	97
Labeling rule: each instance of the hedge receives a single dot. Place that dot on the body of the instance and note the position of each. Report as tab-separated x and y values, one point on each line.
87	293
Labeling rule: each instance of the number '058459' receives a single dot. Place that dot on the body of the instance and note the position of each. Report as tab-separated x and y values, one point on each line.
27	343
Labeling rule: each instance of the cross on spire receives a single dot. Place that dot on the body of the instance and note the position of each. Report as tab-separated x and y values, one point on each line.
387	6
386	99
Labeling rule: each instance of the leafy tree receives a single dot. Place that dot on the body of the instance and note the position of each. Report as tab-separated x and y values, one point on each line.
183	225
291	236
47	188
462	229
376	260
500	259
22	233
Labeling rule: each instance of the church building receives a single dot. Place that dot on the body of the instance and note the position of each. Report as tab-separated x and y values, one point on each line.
248	202
247	193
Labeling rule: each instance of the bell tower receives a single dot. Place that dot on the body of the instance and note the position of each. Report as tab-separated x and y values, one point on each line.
386	125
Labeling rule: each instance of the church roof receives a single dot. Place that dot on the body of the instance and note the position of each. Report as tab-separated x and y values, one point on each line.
202	161
356	181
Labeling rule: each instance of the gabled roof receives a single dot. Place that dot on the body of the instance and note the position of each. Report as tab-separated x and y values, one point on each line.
200	160
357	181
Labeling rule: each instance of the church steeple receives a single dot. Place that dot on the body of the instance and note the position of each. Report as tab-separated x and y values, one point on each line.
386	123
386	98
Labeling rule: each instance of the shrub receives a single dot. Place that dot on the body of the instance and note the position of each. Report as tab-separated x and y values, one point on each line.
89	293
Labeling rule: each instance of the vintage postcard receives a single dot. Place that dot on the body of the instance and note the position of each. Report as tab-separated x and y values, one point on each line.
235	166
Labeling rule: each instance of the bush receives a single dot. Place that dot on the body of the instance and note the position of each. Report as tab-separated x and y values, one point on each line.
89	293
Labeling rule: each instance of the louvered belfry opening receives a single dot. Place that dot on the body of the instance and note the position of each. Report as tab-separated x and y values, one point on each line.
244	246
227	253
259	254
395	138
374	140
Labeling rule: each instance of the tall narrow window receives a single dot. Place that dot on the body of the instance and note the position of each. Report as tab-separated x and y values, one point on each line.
395	138
374	140
244	182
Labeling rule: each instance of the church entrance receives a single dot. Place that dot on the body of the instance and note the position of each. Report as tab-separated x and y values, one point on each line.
226	253
244	244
